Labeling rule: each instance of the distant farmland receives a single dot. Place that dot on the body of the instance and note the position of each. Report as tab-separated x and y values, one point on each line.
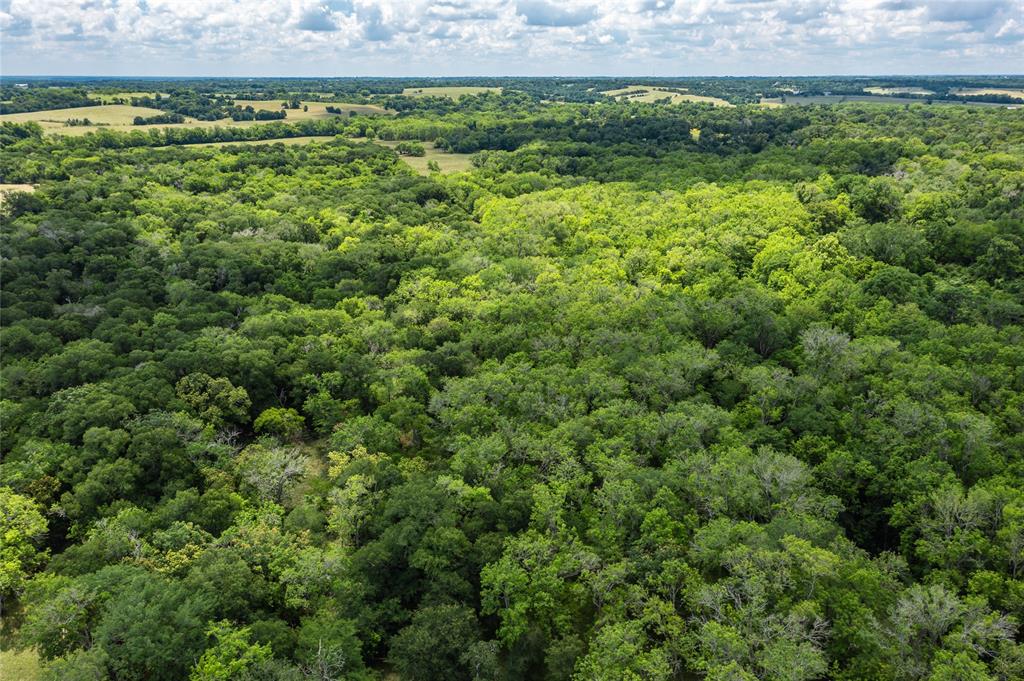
803	100
971	91
452	92
110	98
316	110
898	91
446	162
55	120
650	93
121	116
6	189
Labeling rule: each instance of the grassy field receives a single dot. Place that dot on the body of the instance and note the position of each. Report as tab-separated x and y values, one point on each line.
453	92
316	109
803	100
119	116
1019	94
653	94
5	188
114	115
107	98
898	91
448	163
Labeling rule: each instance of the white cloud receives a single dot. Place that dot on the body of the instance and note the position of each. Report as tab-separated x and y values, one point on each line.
466	37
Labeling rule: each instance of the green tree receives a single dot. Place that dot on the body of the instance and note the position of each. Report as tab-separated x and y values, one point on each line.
214	400
230	656
435	644
284	423
23	529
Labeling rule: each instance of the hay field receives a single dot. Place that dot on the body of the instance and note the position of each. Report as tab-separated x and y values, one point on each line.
119	117
113	115
803	100
454	92
654	93
448	163
898	91
107	98
7	188
317	110
1018	94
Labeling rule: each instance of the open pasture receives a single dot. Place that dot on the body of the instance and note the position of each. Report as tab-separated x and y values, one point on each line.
6	189
316	110
112	97
453	92
448	163
968	91
898	91
54	120
650	93
120	117
803	100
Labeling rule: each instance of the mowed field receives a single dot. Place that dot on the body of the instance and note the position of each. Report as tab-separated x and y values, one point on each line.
654	94
448	163
53	120
120	116
316	109
453	92
1018	94
804	100
898	91
7	188
107	98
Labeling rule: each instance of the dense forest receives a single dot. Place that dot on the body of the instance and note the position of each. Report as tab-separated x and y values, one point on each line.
652	392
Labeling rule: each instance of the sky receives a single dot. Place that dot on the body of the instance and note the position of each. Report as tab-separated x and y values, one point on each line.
509	37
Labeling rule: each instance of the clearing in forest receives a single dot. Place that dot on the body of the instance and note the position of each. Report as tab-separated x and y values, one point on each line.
652	93
315	110
446	162
120	117
112	97
970	91
55	120
898	91
454	92
7	188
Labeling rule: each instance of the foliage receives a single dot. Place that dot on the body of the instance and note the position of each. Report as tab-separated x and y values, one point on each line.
649	392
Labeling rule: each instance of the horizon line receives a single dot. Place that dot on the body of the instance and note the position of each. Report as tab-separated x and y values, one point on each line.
634	75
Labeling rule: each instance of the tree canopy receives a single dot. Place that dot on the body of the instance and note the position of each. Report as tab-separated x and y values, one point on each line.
652	391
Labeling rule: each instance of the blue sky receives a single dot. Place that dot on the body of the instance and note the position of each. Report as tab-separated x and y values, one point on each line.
509	37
